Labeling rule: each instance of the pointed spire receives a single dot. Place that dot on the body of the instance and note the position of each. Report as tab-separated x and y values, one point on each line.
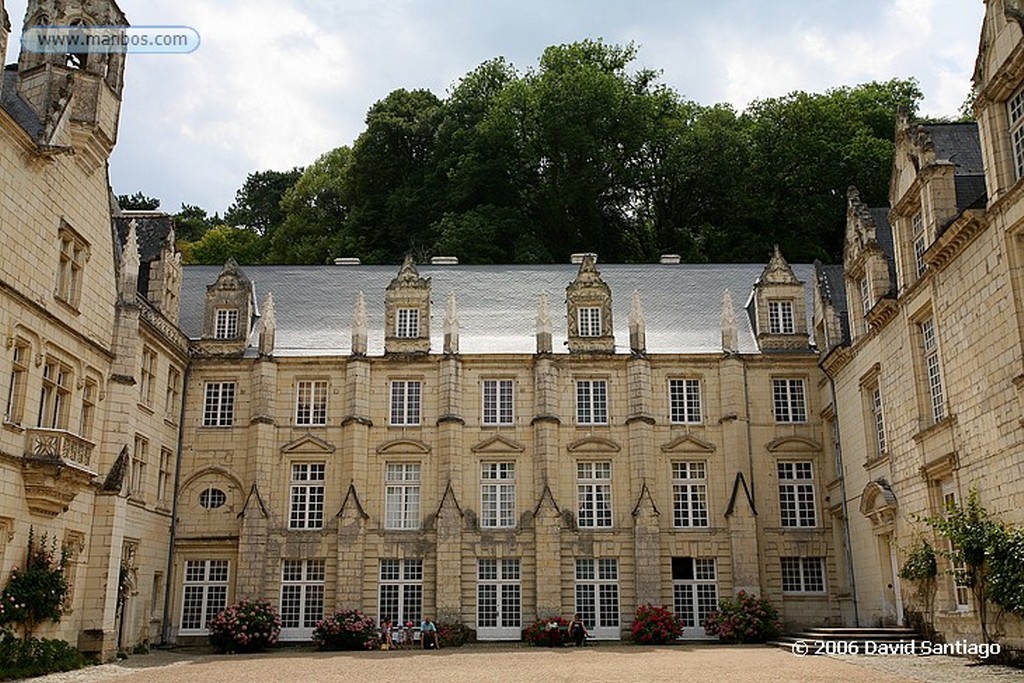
451	326
130	262
730	342
359	326
543	325
268	326
637	326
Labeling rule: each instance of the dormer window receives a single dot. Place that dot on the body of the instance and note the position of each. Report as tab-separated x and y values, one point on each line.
1015	111
407	323
226	323
73	255
780	317
589	322
917	228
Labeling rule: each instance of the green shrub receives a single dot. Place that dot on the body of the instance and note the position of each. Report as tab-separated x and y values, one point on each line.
655	626
347	630
36	657
248	626
920	564
744	619
550	632
36	593
453	634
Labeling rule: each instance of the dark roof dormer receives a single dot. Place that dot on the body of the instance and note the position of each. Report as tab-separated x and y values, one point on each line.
407	312
779	312
588	302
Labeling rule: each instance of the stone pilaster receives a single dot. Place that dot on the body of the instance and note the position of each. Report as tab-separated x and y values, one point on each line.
545	420
252	542
449	556
547	528
647	549
350	552
100	587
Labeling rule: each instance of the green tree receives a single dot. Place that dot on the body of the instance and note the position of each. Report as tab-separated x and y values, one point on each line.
258	202
137	202
219	244
192	222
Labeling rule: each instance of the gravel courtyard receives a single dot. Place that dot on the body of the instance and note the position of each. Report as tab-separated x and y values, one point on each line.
602	664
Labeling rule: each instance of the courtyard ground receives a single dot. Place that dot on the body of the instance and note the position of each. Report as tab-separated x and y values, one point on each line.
484	664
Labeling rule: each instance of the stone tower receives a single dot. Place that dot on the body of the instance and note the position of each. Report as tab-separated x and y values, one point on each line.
77	96
5	30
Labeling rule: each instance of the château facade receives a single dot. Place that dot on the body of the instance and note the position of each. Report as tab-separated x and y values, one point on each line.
494	444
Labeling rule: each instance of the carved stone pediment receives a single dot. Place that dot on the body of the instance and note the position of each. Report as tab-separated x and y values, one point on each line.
594	444
687	443
307	443
403	446
498	444
793	444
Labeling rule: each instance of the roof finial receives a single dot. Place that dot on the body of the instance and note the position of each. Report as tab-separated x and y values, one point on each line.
543	325
130	262
268	326
359	326
637	326
451	326
730	342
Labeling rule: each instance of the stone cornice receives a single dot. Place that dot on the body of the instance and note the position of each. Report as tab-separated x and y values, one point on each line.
956	238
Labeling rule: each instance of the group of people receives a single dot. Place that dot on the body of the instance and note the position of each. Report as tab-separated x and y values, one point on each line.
428	634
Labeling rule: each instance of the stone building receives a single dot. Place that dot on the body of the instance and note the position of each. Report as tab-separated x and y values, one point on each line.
93	361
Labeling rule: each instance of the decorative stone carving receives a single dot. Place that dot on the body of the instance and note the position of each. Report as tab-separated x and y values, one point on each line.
589	291
407	292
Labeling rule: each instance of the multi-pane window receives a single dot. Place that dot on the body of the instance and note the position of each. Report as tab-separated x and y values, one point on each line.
684	401
920	242
878	419
137	467
302	597
147	376
1015	110
497	494
55	395
19	381
311	403
219	404
803	574
694	592
401	591
172	397
225	325
402	496
689	494
89	392
212	498
72	263
780	317
407	323
589	319
789	400
307	496
796	494
498	402
405	402
597	596
933	369
592	401
961	591
866	298
498	598
594	494
205	594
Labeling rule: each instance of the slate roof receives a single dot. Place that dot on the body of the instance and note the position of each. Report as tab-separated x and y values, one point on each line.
497	305
959	143
17	108
833	288
152	228
883	236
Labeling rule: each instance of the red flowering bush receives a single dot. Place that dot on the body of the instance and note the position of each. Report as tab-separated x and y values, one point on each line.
453	634
655	626
550	632
247	626
744	619
347	630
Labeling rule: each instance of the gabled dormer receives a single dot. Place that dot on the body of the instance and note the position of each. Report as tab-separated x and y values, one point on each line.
779	311
407	312
588	301
230	311
830	317
867	253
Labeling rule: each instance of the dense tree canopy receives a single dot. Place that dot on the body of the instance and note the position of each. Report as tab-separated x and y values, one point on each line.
584	152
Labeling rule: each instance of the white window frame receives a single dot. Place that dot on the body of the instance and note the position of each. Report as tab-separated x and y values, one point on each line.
172	396
499	601
694	593
90	394
803	575
407	323
55	395
920	239
961	593
301	603
74	252
18	386
1015	118
780	317
684	401
497	495
933	369
690	494
588	321
594	494
137	468
306	495
498	397
219	404
797	504
225	325
597	597
147	376
204	594
878	419
789	399
406	405
311	403
402	489
400	591
867	299
592	401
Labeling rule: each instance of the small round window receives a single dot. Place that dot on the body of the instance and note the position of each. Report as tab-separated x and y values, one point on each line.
212	498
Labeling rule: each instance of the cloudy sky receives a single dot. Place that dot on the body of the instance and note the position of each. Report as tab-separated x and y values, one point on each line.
276	83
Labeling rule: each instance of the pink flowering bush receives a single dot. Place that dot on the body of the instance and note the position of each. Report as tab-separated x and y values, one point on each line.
36	592
655	626
247	626
550	632
347	630
744	619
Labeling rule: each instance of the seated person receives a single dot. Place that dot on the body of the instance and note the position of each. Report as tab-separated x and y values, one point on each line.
577	630
428	634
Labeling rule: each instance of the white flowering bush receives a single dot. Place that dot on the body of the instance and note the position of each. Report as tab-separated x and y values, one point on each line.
247	626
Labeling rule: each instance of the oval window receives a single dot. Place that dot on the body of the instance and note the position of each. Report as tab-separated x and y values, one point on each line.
212	498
